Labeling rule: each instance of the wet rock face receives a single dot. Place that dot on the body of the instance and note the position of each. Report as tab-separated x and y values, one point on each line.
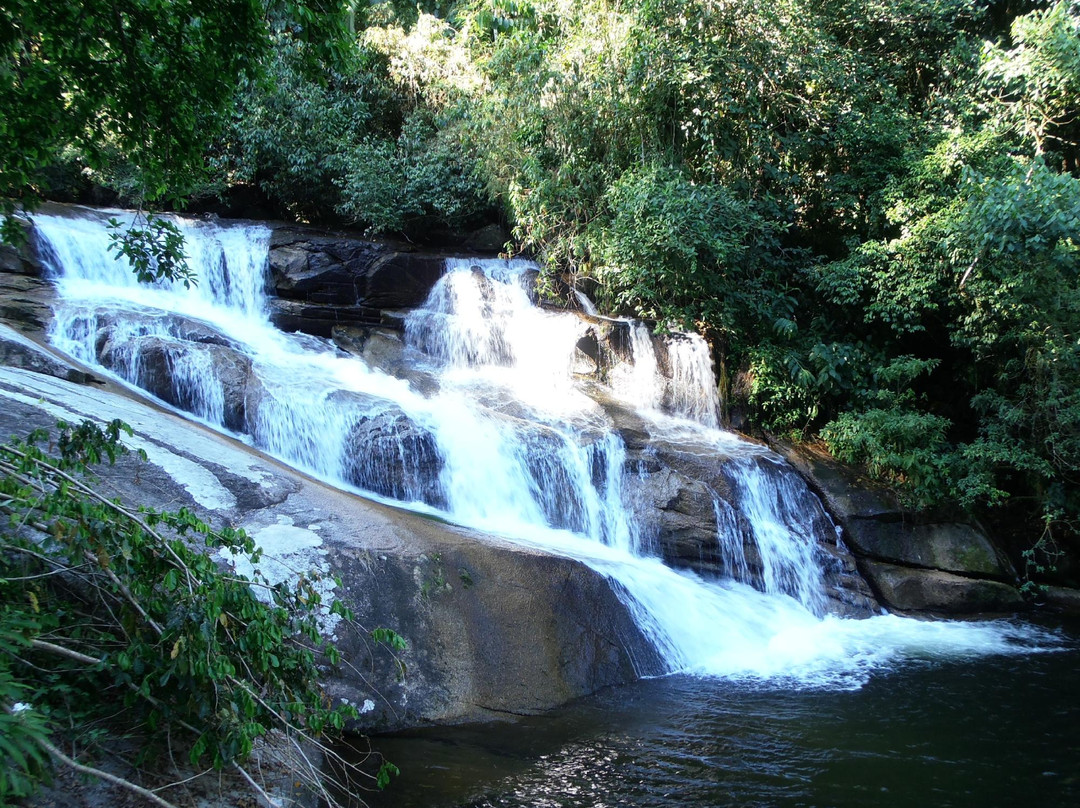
338	270
102	326
319	320
383	348
485	637
491	628
21	258
689	504
323	280
17	351
24	302
320	269
946	546
604	345
679	517
392	455
208	379
914	562
693	511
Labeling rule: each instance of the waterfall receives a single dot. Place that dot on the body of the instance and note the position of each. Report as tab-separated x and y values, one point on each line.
790	558
692	390
639	381
503	440
681	384
730	538
231	263
586	304
536	439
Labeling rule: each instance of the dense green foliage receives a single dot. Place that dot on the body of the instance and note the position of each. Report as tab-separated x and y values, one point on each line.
868	206
138	78
131	93
117	622
352	142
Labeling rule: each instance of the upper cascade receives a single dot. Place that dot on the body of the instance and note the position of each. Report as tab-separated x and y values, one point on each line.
587	437
230	261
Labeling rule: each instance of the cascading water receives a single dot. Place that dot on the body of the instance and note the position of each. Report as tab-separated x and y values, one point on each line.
692	391
639	380
542	442
686	390
790	558
506	442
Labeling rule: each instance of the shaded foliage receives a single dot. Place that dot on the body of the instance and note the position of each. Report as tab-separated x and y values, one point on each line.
143	77
118	620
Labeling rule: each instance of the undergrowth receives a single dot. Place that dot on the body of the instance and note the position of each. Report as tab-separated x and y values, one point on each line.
116	622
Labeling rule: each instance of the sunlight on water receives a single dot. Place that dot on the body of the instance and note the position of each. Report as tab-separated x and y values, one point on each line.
639	381
507	443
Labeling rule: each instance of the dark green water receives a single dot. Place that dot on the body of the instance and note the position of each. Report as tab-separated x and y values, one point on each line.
997	731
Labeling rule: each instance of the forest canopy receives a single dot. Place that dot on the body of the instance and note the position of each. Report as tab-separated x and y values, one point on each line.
869	207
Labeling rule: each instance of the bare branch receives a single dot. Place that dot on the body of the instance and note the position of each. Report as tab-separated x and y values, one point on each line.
51	648
86	490
103	775
259	789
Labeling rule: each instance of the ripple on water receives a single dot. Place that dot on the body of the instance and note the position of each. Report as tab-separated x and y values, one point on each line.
996	731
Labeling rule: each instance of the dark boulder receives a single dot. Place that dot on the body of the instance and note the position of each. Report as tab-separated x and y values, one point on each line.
486	638
948	546
320	268
403	280
25	302
338	269
389	454
384	349
906	589
21	258
1065	599
319	319
677	515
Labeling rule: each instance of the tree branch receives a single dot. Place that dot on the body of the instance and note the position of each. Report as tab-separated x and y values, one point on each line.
103	775
51	648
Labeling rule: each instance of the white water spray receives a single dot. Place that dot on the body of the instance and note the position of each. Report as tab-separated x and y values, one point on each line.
686	390
691	391
789	555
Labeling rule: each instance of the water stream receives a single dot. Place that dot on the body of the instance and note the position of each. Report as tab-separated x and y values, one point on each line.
490	428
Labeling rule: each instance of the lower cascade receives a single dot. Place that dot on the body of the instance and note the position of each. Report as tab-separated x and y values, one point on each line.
584	436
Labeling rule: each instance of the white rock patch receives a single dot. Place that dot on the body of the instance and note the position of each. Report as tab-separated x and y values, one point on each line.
101	405
198	481
289	553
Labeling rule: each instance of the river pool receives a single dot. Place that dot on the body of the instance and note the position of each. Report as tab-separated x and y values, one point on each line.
995	731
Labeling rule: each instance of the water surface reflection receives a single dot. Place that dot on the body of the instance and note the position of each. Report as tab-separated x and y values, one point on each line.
992	732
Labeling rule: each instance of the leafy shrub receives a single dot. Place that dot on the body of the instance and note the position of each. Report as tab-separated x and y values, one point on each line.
294	123
675	249
906	448
114	617
419	182
779	400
